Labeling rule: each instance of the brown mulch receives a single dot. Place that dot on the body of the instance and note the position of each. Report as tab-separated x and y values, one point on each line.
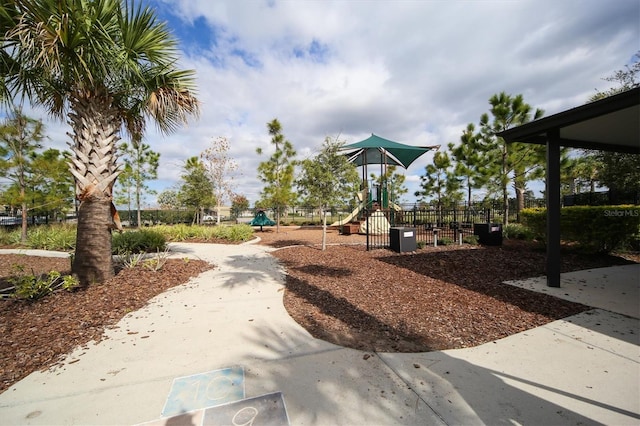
448	297
438	298
36	335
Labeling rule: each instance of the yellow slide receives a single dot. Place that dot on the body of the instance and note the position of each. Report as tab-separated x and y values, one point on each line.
349	218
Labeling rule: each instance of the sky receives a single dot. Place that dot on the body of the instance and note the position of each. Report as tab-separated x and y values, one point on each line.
416	72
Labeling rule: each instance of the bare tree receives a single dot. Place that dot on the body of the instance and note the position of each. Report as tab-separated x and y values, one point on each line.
220	169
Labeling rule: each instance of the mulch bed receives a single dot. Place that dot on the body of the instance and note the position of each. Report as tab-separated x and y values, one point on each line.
436	298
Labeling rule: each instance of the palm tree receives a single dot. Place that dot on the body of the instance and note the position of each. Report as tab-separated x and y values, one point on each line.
108	66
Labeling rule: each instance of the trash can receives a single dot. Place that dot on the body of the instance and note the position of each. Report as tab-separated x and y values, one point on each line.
489	234
402	239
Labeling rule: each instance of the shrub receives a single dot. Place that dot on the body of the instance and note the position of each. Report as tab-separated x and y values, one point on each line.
142	241
32	287
600	228
9	237
52	237
180	232
594	228
470	239
445	241
153	261
536	221
240	232
45	237
517	231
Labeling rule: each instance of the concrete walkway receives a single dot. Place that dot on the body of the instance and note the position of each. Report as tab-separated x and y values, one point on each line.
581	370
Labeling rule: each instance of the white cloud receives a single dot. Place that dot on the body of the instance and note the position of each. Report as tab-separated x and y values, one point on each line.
412	71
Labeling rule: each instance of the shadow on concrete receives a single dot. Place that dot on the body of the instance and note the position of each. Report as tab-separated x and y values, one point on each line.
343	386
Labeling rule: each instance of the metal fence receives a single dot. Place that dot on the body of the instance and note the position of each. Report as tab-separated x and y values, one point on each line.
430	225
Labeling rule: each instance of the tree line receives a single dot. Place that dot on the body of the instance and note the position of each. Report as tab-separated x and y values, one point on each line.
480	161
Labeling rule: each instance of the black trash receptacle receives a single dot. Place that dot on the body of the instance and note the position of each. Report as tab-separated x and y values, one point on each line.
489	234
402	239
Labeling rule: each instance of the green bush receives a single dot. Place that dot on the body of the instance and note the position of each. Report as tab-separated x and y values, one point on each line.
517	231
595	228
233	233
152	239
141	241
536	221
31	287
177	233
600	228
445	241
470	239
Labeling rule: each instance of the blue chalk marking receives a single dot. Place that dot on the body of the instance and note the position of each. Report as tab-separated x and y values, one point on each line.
204	390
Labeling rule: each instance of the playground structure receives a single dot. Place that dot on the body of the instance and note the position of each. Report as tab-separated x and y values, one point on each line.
261	220
376	209
378	213
370	215
380	216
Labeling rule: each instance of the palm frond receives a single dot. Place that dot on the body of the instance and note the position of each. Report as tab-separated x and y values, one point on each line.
55	50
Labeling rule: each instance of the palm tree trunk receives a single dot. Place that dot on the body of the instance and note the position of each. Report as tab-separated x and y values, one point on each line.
92	263
95	126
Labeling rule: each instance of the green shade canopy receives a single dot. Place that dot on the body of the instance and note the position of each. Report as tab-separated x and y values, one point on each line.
377	150
363	156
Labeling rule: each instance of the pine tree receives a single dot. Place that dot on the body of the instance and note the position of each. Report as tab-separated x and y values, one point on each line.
141	165
440	182
278	173
470	161
51	183
196	190
510	163
20	137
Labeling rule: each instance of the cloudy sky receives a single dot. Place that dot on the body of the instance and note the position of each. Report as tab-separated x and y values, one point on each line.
416	72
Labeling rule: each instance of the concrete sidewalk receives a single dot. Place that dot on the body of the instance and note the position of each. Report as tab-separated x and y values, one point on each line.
582	370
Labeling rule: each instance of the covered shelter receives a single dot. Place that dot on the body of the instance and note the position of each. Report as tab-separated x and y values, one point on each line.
609	124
